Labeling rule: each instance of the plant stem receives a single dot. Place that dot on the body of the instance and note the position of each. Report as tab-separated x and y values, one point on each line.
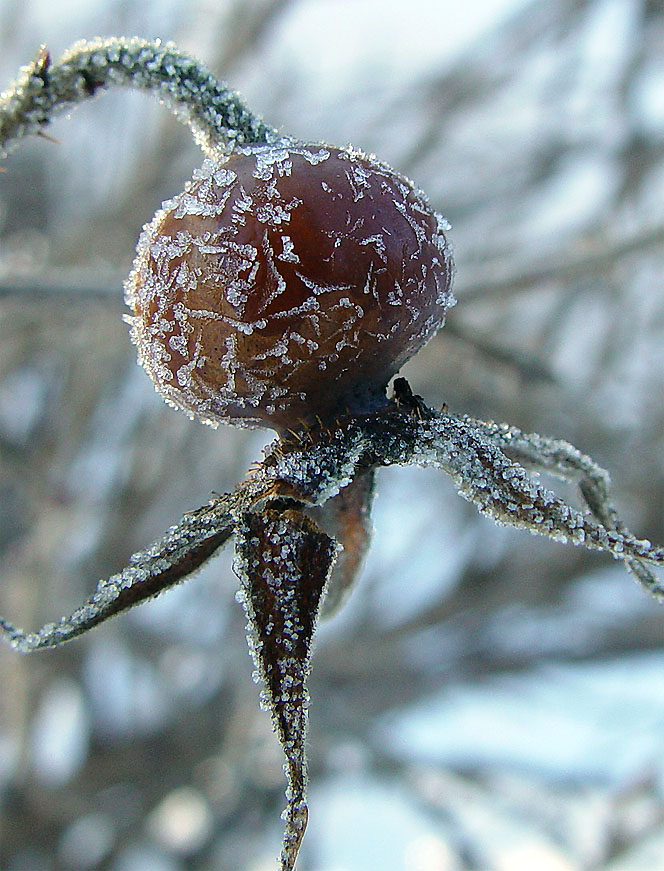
216	115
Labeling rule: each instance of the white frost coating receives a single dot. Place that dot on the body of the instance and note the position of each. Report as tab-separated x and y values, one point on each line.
378	243
222	177
330	245
319	475
315	157
358	178
288	253
276	213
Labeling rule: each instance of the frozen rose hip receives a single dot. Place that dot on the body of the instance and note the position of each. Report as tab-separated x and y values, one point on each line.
287	283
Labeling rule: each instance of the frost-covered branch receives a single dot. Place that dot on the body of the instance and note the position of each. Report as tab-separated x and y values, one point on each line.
216	115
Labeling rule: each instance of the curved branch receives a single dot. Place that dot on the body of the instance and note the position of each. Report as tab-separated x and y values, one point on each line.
216	115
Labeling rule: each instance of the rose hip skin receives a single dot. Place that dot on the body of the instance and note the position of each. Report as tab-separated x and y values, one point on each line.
287	283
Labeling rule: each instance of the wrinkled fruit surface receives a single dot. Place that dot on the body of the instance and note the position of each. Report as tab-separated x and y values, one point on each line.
288	282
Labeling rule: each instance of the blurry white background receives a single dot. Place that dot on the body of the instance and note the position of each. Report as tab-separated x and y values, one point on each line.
487	701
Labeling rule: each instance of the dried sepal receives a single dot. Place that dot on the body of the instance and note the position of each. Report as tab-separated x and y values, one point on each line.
284	561
503	490
347	517
319	463
474	454
564	461
182	550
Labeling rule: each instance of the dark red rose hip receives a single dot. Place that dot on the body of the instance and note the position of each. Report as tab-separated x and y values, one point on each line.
287	283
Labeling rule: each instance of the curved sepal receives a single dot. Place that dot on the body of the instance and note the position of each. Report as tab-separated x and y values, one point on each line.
347	517
182	550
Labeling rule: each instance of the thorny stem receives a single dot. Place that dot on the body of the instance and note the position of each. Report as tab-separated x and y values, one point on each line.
216	115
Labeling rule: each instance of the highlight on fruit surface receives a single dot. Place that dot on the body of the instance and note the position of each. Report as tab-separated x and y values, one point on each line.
288	282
